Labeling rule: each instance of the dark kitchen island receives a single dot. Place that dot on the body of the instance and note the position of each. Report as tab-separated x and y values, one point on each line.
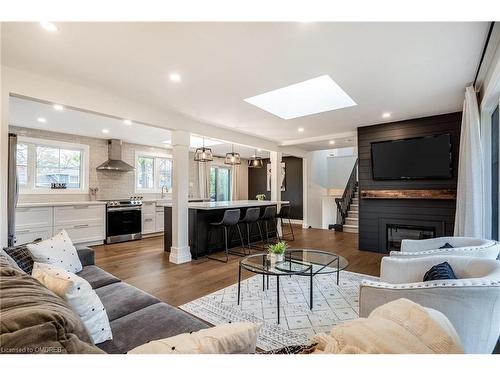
201	214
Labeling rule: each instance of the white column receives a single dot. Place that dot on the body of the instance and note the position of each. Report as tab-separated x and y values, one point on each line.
179	252
4	136
275	158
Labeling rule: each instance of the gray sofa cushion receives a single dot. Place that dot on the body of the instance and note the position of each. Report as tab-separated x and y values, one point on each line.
121	299
154	322
86	255
97	277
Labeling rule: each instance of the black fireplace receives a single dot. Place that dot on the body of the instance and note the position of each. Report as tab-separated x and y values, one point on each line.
396	233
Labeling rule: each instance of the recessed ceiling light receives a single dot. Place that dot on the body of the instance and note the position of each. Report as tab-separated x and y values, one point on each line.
259	149
49	26
320	94
386	115
58	107
105	131
175	77
332	142
127	122
300	129
167	142
42	120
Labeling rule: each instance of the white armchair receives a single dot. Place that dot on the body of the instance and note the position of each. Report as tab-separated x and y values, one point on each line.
462	246
471	302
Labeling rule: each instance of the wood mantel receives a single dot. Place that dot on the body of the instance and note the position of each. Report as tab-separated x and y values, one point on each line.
442	194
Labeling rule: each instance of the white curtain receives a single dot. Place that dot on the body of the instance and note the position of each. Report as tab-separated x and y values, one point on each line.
204	179
469	213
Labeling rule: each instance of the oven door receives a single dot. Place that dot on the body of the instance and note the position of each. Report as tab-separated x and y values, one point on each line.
123	221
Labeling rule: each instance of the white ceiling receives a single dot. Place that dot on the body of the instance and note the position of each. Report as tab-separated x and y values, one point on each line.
407	69
25	113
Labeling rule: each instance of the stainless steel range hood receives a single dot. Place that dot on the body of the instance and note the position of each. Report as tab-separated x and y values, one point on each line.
115	162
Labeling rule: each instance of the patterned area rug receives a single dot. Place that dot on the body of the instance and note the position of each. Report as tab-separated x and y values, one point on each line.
333	304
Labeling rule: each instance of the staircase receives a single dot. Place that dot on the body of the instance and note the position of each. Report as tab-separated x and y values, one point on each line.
348	205
351	221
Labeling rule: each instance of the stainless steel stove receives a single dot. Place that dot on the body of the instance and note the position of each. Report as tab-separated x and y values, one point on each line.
124	220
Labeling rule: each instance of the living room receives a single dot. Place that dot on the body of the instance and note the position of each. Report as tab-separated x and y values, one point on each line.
339	197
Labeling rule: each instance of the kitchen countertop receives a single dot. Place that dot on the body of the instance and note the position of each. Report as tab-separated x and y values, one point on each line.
226	204
49	204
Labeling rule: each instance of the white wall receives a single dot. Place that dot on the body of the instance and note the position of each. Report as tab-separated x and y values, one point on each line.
325	172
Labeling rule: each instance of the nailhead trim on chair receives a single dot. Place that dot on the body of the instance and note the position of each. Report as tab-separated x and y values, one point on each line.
428	285
439	251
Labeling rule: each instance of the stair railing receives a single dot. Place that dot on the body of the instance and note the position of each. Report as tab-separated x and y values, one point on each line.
343	204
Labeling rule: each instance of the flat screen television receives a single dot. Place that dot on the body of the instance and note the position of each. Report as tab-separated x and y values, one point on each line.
412	158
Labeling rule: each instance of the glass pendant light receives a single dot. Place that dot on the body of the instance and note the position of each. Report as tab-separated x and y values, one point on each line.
203	154
255	161
232	158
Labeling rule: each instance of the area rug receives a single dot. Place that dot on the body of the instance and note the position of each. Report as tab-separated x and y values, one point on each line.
332	304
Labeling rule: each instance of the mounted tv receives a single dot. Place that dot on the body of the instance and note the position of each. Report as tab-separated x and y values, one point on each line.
412	158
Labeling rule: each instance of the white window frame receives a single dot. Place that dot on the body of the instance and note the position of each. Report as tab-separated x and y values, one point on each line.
156	170
84	167
489	102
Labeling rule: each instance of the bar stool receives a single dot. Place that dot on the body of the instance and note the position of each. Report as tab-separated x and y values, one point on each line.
285	214
269	215
229	220
252	217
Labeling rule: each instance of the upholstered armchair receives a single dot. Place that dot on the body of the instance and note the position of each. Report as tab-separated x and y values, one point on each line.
471	302
462	246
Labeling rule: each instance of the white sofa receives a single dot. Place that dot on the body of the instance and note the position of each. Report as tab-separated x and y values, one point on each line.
462	246
471	302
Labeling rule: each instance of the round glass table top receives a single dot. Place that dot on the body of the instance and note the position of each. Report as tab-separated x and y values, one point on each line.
296	261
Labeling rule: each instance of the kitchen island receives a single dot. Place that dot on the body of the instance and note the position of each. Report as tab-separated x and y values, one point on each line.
201	214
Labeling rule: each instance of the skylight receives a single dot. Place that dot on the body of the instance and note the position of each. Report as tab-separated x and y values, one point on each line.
320	94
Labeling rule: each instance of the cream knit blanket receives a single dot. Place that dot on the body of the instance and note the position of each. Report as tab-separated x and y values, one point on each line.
400	326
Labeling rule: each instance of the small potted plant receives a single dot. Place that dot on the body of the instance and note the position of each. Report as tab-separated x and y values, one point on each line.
261	197
276	252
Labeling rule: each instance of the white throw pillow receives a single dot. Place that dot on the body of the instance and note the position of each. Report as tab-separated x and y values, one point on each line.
233	338
79	295
58	250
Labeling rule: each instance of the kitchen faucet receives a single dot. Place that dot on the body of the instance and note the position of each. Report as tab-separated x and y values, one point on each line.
164	191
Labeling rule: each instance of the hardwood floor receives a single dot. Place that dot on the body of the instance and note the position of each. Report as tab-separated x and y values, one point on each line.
145	265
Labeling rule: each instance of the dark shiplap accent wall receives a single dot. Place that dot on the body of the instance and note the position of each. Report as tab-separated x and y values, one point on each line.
257	184
372	212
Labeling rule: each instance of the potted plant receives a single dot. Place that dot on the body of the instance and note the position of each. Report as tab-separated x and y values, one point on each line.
276	252
261	197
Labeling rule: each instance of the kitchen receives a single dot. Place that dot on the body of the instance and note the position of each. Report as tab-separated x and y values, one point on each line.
104	179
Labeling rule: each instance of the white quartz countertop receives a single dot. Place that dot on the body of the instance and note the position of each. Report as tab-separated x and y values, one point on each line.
226	204
50	204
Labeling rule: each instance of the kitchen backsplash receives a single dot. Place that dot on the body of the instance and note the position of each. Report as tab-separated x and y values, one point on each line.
112	185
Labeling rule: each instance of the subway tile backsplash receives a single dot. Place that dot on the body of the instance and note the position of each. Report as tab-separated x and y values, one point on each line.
112	185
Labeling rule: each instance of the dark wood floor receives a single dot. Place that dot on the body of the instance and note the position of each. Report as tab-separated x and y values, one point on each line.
145	265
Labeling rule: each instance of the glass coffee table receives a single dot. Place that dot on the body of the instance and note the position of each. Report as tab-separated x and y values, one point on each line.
301	262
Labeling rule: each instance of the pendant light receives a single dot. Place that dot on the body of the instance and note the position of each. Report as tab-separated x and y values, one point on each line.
255	161
203	154
232	158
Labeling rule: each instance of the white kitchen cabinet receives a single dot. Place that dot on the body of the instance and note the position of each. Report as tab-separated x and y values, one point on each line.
159	221
34	217
148	223
85	223
29	235
82	233
68	216
148	208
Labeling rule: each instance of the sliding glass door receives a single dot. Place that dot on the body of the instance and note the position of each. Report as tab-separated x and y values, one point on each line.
220	183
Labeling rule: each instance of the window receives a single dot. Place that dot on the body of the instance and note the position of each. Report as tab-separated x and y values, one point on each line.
41	162
153	172
495	150
220	183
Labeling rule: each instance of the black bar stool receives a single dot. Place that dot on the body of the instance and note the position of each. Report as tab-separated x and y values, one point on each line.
285	214
269	215
229	220
252	217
